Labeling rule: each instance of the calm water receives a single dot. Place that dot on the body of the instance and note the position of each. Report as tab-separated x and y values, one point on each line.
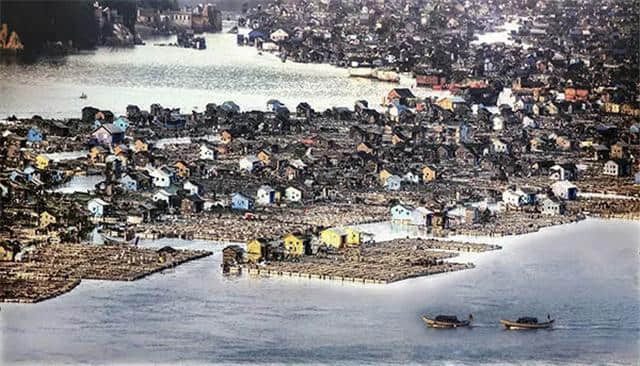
585	275
177	77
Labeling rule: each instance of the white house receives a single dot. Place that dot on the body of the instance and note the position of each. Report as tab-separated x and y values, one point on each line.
565	190
499	146
163	195
97	207
506	97
266	195
421	216
552	207
515	199
279	35
293	194
207	153
498	123
249	163
191	188
411	177
160	177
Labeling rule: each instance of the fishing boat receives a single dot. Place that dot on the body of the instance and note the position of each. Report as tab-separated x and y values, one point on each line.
83	96
447	321
527	322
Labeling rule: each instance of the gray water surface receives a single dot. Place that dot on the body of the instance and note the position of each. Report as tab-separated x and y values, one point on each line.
585	275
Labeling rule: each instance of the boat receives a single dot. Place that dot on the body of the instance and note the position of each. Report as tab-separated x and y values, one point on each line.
447	321
527	322
83	96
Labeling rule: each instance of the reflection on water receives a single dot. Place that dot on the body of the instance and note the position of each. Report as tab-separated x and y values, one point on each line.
584	274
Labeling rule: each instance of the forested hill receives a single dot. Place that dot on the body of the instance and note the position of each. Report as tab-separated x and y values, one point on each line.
39	21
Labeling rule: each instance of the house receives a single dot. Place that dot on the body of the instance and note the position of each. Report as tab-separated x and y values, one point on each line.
293	194
393	183
304	110
384	174
563	143
108	134
450	103
335	237
191	204
42	162
46	219
403	95
183	168
160	177
498	146
241	202
410	177
552	207
421	216
122	123
8	250
401	214
565	190
273	105
497	123
636	179
97	207
207	153
563	171
226	137
249	163
617	168
34	135
397	110
266	195
619	150
265	156
365	147
97	154
139	146
514	198
166	195
192	188
296	245
129	183
428	174
257	249
279	35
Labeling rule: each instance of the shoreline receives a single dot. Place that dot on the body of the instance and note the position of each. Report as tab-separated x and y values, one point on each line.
59	268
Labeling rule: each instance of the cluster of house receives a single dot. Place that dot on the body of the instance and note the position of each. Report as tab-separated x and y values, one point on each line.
200	18
296	245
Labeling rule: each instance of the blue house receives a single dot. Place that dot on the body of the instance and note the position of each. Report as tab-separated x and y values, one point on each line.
637	178
129	183
122	123
230	107
241	202
97	207
34	135
255	34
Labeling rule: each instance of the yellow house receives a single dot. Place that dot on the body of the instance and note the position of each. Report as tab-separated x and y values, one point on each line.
265	157
97	154
294	244
353	236
42	162
365	147
384	174
428	174
256	249
140	145
8	251
47	219
183	169
336	237
445	103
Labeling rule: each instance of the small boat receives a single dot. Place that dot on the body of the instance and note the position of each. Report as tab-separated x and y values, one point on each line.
527	322
83	96
447	321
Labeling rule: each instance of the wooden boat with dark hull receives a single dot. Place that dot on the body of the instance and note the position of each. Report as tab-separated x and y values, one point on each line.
446	321
526	323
